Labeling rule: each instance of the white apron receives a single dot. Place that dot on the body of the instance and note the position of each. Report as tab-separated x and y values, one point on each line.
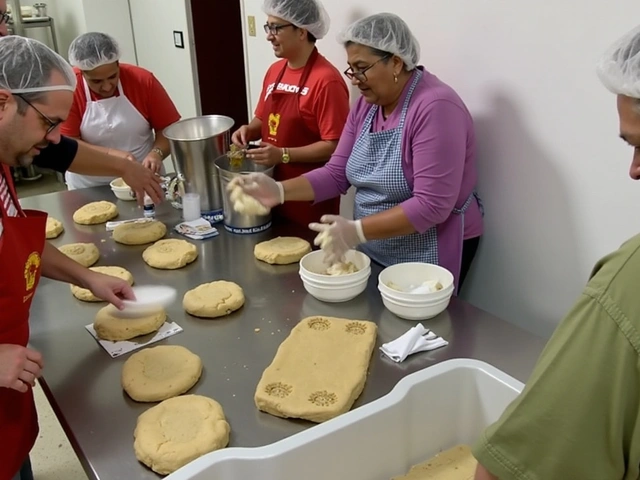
113	123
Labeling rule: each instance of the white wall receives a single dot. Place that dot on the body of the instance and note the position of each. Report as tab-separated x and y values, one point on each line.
153	24
112	17
553	173
69	20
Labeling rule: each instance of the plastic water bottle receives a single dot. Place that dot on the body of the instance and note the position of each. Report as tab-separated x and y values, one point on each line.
149	207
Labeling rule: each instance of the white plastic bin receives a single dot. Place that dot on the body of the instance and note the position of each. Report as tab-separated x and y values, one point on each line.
427	412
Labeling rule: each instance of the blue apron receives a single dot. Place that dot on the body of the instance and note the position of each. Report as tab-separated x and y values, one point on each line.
375	169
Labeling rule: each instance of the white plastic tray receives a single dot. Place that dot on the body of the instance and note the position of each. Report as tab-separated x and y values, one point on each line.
427	412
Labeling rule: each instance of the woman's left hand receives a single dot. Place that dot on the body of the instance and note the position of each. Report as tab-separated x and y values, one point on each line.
266	155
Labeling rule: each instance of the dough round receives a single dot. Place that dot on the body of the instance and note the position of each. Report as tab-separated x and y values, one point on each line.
95	212
170	254
282	250
111	327
157	373
86	296
179	430
86	254
54	228
246	204
139	233
342	268
215	299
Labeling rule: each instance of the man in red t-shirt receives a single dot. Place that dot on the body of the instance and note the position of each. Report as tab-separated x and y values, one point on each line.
303	106
119	108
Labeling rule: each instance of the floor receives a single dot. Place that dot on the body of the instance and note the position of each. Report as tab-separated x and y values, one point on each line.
52	456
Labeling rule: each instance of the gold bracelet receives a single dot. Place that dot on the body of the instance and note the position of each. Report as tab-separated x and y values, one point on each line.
159	152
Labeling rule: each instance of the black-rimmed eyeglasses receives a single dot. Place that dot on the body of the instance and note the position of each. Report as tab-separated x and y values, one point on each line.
51	123
360	75
274	29
4	17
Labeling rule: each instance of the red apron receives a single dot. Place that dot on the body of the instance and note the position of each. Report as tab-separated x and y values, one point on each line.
21	246
284	126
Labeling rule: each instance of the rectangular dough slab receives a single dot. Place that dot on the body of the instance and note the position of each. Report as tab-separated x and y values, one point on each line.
457	463
319	370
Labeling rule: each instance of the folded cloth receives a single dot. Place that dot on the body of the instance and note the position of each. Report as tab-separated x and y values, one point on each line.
111	225
198	229
417	339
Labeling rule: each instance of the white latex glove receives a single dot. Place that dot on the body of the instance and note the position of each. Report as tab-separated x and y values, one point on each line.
337	236
261	187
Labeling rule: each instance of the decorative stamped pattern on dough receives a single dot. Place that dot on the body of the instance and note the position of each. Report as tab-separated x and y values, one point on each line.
323	398
279	390
165	248
319	324
356	328
76	249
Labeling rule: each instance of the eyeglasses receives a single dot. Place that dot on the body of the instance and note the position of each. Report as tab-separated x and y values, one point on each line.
4	17
274	29
51	123
360	75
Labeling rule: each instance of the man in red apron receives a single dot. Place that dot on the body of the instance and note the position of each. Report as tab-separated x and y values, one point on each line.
36	91
303	106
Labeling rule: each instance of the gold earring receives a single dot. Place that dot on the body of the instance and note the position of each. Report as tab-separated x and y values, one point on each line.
395	78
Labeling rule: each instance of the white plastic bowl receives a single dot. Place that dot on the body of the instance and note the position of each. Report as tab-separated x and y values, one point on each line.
412	298
121	190
415	273
334	293
312	265
415	311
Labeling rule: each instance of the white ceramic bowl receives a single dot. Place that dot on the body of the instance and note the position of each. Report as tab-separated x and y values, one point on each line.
335	293
416	298
337	280
415	273
312	265
122	190
415	311
334	288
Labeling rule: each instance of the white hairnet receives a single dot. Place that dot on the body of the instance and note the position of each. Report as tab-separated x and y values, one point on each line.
92	50
307	14
386	32
27	66
619	67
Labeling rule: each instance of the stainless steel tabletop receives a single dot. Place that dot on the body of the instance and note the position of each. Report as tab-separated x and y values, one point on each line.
82	381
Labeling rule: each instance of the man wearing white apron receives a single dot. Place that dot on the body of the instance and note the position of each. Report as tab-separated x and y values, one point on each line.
119	108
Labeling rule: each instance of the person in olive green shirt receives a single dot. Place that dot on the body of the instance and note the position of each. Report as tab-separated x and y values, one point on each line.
578	417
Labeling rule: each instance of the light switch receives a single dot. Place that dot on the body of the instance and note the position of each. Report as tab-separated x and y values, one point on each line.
252	26
178	40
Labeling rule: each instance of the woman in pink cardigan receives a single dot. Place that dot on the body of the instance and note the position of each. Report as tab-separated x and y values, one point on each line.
409	150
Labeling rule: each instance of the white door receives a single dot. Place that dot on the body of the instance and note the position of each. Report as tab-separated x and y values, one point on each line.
258	52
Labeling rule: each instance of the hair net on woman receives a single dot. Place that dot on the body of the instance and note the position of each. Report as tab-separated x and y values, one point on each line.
386	32
27	66
307	14
619	67
92	50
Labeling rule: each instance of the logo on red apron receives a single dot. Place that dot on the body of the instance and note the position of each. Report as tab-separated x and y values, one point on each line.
274	123
31	267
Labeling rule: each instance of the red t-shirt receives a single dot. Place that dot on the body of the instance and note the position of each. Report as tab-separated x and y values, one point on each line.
143	90
324	99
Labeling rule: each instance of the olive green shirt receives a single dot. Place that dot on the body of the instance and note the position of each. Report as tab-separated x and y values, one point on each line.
578	417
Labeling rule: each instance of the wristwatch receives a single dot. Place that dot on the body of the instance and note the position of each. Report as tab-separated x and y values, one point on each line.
159	152
286	158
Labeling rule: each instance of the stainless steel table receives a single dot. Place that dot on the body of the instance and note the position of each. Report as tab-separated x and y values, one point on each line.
82	381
